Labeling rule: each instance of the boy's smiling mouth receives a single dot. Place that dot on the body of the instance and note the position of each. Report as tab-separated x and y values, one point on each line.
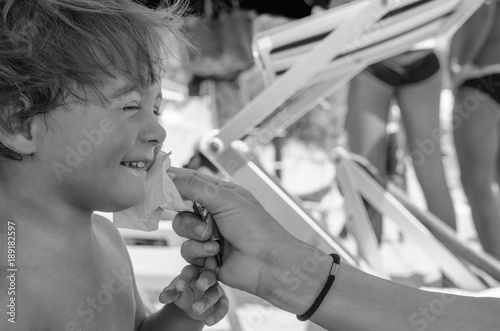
136	168
135	164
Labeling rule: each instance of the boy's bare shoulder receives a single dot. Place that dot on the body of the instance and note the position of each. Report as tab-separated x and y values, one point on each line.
107	234
102	223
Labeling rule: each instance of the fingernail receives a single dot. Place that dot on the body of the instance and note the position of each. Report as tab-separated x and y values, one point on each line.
170	286
203	284
201	230
198	307
210	321
180	284
162	297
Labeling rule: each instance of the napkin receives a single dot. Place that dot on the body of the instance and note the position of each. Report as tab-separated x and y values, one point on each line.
160	194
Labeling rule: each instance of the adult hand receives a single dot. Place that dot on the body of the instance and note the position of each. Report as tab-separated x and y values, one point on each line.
255	243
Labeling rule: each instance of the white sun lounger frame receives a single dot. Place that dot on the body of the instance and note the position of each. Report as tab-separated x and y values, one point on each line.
355	38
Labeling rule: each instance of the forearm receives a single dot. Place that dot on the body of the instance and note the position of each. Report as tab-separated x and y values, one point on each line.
170	318
358	301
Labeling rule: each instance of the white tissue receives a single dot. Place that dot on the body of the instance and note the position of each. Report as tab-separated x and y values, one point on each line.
160	194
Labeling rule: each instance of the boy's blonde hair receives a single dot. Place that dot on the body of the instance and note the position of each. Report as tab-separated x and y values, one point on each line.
50	49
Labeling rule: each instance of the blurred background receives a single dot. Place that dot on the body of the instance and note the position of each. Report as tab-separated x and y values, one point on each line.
301	158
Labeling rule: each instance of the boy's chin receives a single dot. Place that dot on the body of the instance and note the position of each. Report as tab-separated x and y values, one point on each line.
123	203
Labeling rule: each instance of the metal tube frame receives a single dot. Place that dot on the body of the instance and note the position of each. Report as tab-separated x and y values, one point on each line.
232	156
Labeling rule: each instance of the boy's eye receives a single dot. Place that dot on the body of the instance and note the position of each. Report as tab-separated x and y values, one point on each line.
132	108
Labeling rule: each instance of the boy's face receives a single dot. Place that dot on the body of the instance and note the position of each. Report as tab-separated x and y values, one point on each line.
94	154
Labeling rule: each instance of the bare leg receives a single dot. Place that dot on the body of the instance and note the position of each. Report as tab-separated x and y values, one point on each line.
476	141
368	108
419	105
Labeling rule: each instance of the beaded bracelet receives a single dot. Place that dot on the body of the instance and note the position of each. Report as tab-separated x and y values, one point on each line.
331	278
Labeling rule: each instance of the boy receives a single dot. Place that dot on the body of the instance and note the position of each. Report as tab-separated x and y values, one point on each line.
79	100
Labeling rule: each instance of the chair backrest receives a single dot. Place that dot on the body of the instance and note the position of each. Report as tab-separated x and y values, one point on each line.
277	49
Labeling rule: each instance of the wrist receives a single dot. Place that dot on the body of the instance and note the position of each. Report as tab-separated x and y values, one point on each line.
294	276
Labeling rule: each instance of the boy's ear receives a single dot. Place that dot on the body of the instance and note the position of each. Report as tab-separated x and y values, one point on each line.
23	139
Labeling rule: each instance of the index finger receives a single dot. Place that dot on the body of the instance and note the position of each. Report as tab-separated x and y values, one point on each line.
211	179
173	172
192	187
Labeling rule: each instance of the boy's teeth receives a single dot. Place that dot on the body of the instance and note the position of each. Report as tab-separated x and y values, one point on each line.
135	164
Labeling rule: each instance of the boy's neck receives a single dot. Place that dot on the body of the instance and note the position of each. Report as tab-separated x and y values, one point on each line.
45	214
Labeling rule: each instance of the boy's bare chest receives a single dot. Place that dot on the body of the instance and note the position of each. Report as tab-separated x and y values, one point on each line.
91	296
107	304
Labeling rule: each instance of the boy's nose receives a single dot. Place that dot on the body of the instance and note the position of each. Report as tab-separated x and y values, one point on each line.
153	133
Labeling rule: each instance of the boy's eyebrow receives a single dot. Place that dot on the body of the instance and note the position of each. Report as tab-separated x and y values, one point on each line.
127	88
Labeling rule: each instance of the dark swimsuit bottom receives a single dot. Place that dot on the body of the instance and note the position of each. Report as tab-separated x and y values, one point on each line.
396	74
489	85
